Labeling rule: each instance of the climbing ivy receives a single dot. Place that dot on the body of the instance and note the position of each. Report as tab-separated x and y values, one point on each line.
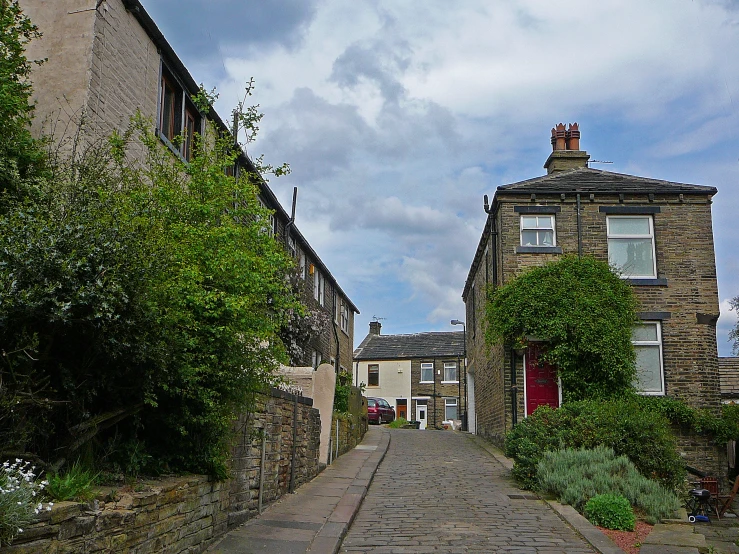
583	311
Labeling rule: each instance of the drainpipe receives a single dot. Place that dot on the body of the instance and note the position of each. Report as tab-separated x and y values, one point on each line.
338	350
434	394
494	235
291	221
295	443
579	228
514	389
236	143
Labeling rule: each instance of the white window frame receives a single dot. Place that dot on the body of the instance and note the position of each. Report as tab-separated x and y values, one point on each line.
319	287
449	365
337	309
303	266
652	344
538	228
649	236
427	366
344	323
369	370
449	402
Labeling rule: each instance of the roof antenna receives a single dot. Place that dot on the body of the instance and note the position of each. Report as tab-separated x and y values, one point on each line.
375	318
598	162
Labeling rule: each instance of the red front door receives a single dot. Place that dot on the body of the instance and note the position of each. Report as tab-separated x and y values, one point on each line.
541	381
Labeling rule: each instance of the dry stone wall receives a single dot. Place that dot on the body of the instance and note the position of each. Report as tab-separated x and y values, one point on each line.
187	514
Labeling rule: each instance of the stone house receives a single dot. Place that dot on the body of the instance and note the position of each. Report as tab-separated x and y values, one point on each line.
728	369
421	374
106	60
658	233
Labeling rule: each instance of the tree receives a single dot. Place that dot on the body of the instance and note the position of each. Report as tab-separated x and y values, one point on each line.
585	313
734	333
21	159
140	306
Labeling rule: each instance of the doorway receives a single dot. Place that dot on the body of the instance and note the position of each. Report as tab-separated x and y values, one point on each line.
540	381
422	413
401	408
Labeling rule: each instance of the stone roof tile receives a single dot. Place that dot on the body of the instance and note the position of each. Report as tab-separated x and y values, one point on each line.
417	345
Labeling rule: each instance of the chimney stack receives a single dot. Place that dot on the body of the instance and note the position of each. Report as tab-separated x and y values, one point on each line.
375	327
566	153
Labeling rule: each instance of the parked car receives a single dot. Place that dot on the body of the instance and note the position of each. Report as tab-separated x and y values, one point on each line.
379	411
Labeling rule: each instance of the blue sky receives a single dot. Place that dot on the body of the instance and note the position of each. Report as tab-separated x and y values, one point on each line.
397	117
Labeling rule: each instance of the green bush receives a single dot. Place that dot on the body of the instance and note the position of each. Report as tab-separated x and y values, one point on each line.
611	511
643	436
576	475
74	484
584	311
398	423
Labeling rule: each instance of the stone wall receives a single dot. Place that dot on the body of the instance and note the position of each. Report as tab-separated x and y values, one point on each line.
187	514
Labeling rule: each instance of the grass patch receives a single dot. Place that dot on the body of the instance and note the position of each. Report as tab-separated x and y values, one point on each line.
74	484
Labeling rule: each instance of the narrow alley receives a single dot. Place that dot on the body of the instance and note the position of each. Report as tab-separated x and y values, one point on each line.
438	491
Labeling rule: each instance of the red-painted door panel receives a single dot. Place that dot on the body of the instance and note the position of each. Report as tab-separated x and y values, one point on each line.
541	381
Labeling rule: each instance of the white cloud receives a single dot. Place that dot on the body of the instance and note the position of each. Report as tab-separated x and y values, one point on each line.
397	118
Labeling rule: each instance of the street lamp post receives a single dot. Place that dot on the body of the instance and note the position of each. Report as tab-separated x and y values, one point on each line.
465	425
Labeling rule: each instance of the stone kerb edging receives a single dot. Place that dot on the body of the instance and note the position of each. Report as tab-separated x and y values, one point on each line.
568	514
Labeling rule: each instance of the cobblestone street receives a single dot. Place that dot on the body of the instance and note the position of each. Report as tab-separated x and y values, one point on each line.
438	491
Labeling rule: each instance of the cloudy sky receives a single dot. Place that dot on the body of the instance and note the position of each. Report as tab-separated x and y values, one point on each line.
397	117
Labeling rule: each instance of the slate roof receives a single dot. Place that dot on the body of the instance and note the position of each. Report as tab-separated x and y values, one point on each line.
417	345
728	371
586	179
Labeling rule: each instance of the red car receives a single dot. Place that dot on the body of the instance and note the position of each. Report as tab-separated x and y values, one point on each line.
379	411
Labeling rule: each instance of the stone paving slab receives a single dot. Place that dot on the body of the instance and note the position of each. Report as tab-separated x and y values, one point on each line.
675	534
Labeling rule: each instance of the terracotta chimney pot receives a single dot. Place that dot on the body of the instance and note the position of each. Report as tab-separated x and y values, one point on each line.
561	137
573	137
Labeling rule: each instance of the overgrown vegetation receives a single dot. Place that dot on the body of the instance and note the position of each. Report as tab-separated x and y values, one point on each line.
21	158
576	476
75	483
583	311
141	298
643	436
342	391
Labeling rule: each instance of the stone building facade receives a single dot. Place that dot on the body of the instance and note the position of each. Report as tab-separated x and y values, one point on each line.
658	233
421	375
106	61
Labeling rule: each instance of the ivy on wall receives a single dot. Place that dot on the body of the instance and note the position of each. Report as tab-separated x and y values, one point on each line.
583	312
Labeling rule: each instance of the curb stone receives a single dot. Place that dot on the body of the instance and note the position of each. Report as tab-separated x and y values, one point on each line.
331	535
568	514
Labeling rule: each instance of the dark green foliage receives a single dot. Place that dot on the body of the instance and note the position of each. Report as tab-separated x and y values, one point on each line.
723	428
21	160
624	425
140	304
611	511
342	392
583	311
575	476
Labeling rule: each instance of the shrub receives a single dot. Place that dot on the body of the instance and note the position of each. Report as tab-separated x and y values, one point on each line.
611	511
74	484
398	423
19	498
584	311
643	436
576	476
